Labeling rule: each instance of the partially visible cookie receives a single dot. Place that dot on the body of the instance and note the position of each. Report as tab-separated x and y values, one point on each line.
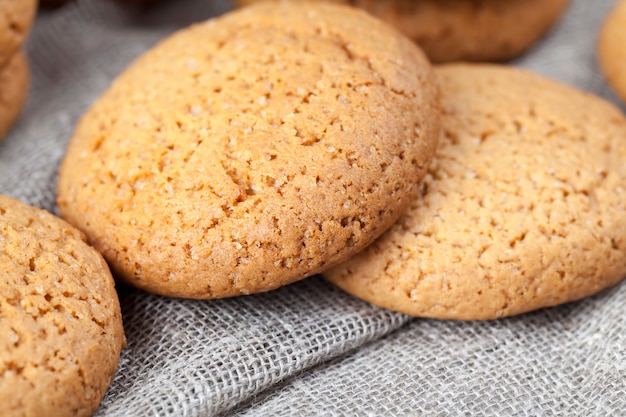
14	78
465	30
612	50
253	150
16	19
524	205
60	323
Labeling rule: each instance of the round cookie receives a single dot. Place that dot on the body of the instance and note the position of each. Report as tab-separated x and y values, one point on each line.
13	91
253	150
60	323
524	205
611	51
465	30
16	18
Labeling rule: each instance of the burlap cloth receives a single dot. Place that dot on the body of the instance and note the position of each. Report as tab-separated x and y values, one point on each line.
309	349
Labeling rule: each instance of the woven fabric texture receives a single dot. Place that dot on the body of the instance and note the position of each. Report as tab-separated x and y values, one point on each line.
308	348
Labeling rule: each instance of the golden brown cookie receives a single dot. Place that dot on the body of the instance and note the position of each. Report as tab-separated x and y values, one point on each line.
16	18
60	323
612	50
253	150
465	30
14	78
524	205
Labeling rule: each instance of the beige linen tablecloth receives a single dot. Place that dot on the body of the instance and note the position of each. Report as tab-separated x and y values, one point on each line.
309	349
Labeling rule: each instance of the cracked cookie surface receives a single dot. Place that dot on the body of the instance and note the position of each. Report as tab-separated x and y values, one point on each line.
253	150
464	30
524	205
60	323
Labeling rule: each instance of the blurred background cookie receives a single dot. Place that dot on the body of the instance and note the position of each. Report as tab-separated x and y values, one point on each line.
16	19
254	150
612	49
14	78
465	30
60	318
522	208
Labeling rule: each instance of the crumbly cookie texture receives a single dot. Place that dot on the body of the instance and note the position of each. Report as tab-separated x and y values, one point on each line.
524	205
611	51
253	150
453	30
16	19
60	323
14	77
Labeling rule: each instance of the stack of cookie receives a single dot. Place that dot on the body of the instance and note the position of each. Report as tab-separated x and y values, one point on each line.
16	18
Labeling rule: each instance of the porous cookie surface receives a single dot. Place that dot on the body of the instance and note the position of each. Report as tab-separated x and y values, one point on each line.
611	50
251	151
14	78
60	322
524	206
16	18
465	30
